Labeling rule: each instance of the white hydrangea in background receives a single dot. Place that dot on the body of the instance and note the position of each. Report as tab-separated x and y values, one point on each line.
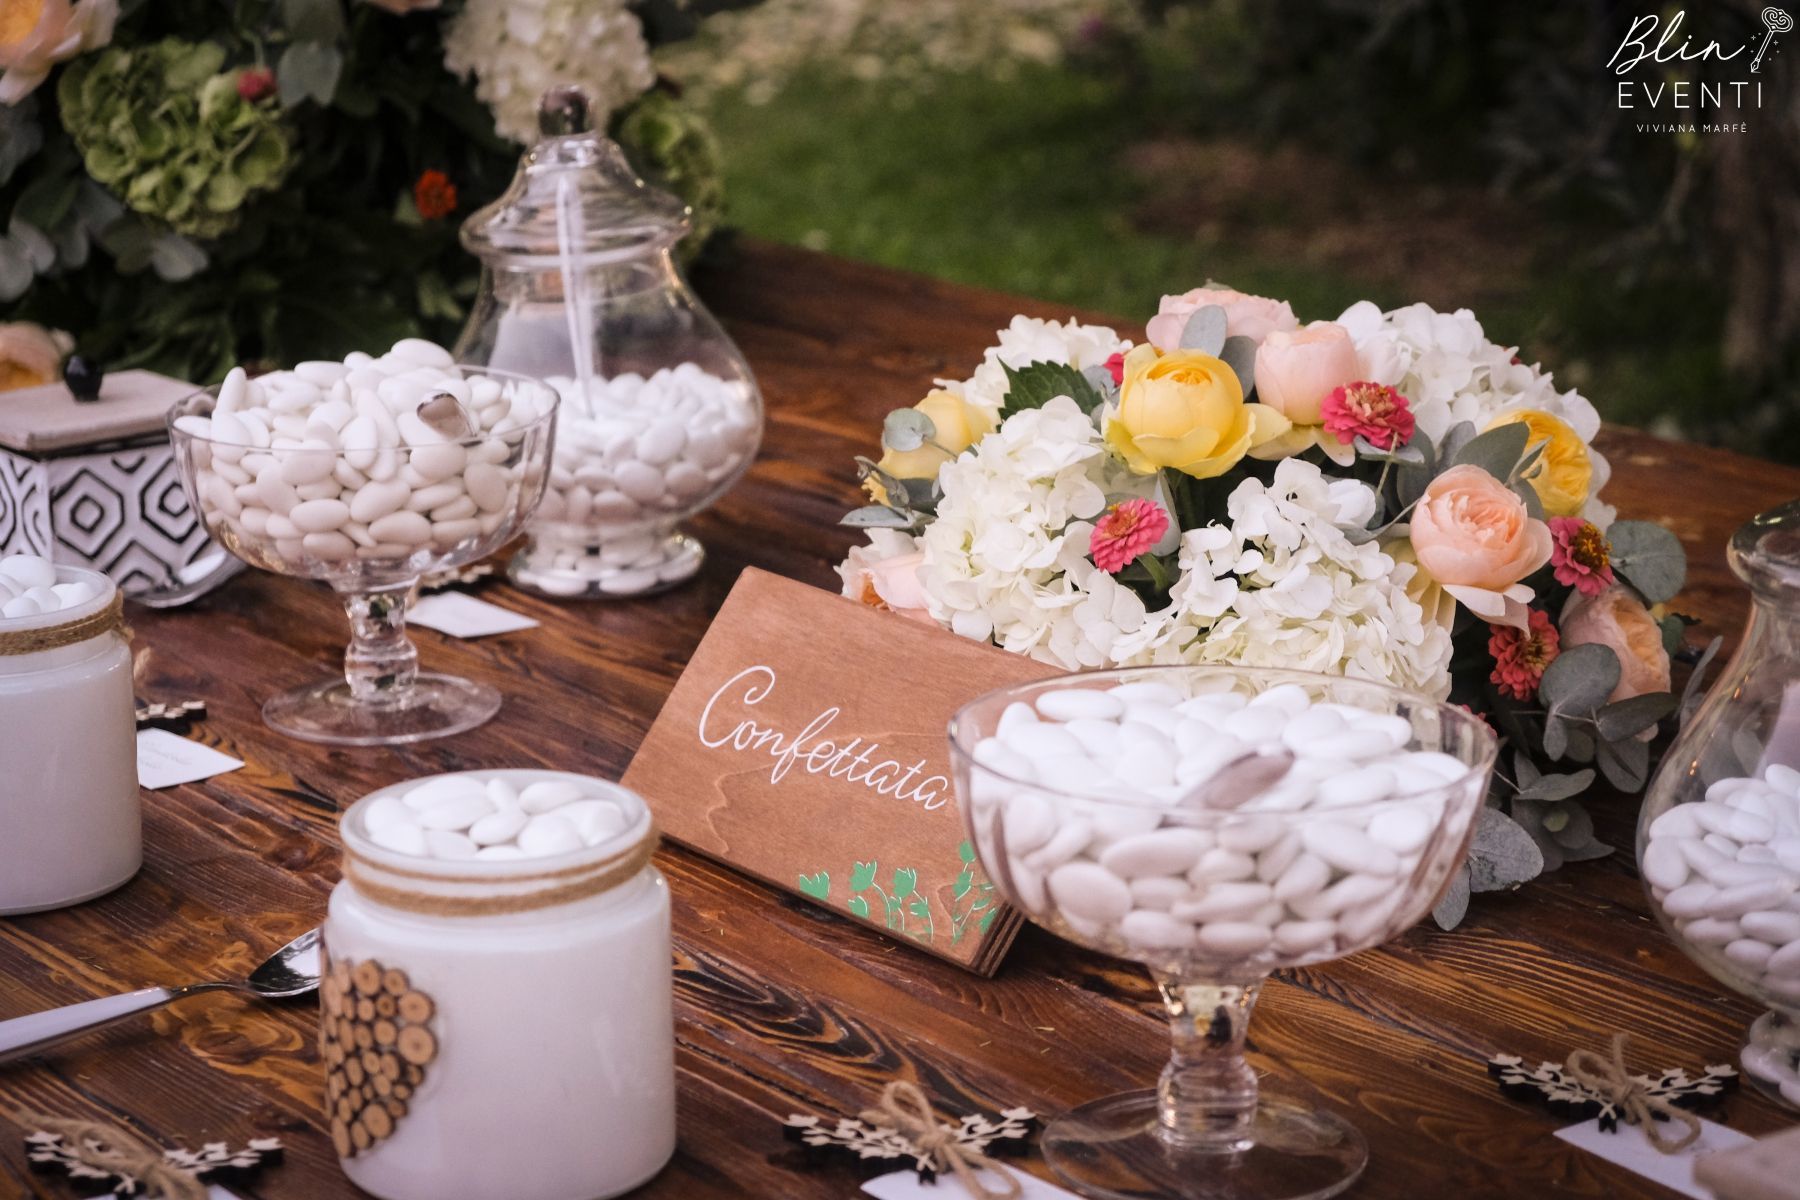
1449	371
519	49
1028	340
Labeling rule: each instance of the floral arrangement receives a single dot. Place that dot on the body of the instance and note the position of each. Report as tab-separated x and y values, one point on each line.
1389	495
186	186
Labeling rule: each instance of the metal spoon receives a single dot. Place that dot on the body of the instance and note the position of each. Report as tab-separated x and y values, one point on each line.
292	970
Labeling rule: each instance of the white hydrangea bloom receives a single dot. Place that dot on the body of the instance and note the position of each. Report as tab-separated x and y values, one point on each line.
1283	587
1006	558
518	49
1028	340
1449	372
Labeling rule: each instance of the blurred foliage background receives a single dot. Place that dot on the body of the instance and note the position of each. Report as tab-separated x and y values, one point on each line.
1102	152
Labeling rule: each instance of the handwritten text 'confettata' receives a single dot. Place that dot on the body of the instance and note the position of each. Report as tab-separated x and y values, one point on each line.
852	761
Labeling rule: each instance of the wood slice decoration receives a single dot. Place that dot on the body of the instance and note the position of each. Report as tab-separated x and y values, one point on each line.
376	1039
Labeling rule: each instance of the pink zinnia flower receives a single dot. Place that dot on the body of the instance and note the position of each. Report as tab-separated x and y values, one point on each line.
1127	530
1520	657
253	83
1116	366
1581	555
1375	411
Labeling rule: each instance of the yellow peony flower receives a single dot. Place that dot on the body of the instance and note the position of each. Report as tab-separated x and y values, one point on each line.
1563	474
959	426
1186	410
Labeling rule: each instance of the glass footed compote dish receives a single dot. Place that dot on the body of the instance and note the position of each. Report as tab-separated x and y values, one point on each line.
370	518
1216	824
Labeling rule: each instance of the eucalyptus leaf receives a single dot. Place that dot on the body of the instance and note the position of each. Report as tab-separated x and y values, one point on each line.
1534	507
1628	718
1455	438
1410	482
1239	353
313	20
1497	451
1451	910
1205	330
1579	680
1407	455
1525	772
1580	744
308	71
1649	557
877	516
1556	737
1674	634
1558	787
1501	855
1625	764
15	269
907	429
175	258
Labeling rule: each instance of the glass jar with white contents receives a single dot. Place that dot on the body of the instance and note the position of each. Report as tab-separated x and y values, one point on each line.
70	823
660	414
496	1013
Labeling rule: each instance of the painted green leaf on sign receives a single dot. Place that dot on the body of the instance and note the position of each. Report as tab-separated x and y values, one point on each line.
862	875
906	880
859	906
817	886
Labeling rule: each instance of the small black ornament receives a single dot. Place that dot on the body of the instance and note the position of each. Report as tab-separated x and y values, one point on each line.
83	375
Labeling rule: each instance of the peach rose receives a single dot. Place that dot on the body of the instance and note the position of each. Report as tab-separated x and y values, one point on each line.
1254	317
1296	370
1473	535
890	583
35	35
31	355
1618	620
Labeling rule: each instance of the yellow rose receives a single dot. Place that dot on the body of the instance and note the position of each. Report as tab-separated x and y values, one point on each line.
1186	410
1563	473
959	425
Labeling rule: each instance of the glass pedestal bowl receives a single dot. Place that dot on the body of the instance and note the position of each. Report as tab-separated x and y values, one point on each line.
466	497
1189	843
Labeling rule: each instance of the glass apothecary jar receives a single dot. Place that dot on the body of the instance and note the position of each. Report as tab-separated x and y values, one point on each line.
660	415
1719	838
500	1026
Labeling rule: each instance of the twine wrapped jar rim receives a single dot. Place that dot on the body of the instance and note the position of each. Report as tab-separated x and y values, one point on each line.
71	626
442	887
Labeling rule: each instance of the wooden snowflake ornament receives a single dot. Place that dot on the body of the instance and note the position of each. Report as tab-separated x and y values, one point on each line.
903	1128
214	1162
1551	1084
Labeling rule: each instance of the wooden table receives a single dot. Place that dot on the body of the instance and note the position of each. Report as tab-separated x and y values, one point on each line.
782	1007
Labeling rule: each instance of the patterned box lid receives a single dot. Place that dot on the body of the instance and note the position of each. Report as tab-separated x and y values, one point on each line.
41	420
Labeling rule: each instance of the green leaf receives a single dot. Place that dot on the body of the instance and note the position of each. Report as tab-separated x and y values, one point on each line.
966	851
1454	906
1205	330
1239	353
987	919
1579	680
907	429
1407	455
308	71
906	879
1497	452
1455	438
1556	738
1649	557
1534	506
920	907
1628	718
1410	482
862	875
1502	855
47	200
1557	787
859	906
313	20
963	883
817	886
877	516
1036	384
1674	633
1625	764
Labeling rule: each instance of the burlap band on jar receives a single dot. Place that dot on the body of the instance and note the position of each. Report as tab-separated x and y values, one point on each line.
53	637
557	887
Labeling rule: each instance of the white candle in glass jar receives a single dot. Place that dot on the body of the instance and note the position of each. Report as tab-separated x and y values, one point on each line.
70	821
542	1065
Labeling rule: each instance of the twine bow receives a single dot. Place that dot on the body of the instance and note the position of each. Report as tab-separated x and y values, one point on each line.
1639	1105
114	1150
904	1109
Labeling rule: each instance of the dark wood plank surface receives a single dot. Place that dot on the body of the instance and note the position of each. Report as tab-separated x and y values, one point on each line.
782	1007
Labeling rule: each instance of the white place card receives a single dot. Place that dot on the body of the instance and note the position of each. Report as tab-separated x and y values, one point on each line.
461	615
905	1185
1629	1148
165	759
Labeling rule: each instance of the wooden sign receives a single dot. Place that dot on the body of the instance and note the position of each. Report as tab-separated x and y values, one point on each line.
805	744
